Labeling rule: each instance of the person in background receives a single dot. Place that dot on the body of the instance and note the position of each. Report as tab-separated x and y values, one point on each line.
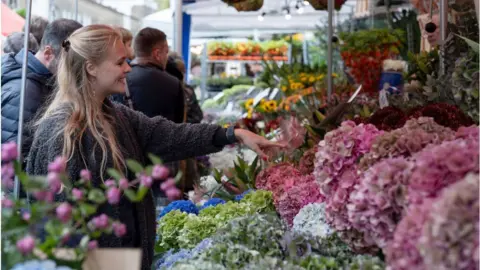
178	69
154	92
127	39
37	27
82	125
14	43
40	80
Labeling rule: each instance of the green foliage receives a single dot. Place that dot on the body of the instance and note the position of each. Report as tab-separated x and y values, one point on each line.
195	230
373	39
261	200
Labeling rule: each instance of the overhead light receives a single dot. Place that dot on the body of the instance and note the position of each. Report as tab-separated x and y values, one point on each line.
288	16
306	3
262	16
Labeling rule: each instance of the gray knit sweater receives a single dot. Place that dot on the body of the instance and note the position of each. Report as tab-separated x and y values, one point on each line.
137	135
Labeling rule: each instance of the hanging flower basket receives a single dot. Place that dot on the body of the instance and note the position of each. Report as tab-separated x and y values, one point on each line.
323	4
245	5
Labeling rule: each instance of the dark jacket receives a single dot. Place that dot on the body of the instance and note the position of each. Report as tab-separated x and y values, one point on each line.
156	93
137	135
38	89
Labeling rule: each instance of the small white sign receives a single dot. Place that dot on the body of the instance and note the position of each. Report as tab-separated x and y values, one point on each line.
250	90
218	96
274	93
229	107
355	94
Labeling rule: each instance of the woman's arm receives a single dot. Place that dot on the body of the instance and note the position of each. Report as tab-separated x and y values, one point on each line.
173	141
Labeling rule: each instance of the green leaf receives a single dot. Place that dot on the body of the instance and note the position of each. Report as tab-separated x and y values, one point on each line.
240	173
148	170
96	195
474	45
178	177
87	209
134	166
115	174
141	193
130	195
155	160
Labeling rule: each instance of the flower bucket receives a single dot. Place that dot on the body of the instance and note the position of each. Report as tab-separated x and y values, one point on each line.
394	79
106	258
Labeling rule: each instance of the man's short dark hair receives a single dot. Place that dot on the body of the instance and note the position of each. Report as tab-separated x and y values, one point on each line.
37	27
14	43
146	40
58	31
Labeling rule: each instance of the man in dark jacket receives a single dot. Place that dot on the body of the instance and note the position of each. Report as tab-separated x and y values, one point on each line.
41	68
153	91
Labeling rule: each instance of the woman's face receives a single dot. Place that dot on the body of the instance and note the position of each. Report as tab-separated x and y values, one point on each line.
111	74
128	47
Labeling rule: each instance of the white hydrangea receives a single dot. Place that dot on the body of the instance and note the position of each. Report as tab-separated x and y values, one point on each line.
311	220
226	158
208	183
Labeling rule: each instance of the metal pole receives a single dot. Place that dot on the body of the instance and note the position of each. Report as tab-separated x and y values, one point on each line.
16	187
204	65
178	25
443	33
331	4
76	10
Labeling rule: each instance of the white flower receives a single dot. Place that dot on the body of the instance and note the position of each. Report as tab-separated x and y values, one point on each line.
311	220
209	183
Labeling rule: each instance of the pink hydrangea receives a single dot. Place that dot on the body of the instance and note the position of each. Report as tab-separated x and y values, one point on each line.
402	253
26	245
376	205
336	170
438	166
59	165
273	178
405	141
450	236
296	197
9	151
471	132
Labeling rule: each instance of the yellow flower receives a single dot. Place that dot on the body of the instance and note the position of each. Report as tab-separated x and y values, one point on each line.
271	106
226	126
248	103
284	88
250	113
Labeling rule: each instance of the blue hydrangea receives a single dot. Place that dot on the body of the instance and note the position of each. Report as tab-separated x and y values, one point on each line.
169	259
239	197
202	246
182	205
39	265
212	202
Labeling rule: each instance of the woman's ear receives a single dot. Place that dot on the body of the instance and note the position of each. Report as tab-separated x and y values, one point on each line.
91	69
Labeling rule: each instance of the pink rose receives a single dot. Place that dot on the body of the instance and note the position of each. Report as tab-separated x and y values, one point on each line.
64	212
160	172
169	183
77	194
146	181
86	175
110	183
173	193
54	182
26	216
9	151
59	165
100	222
7	203
92	244
119	229
26	245
123	184
113	195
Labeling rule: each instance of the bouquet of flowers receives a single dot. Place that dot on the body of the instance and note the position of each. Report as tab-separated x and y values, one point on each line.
38	231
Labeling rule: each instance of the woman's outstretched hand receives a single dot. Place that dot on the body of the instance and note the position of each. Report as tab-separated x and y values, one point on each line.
257	143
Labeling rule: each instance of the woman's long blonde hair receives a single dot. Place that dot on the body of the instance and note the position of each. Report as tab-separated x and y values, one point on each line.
75	96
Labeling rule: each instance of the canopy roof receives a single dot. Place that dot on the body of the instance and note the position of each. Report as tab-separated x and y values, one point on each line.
11	21
213	18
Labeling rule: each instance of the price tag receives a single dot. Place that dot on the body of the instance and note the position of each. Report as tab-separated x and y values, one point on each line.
355	94
218	96
260	96
250	90
274	93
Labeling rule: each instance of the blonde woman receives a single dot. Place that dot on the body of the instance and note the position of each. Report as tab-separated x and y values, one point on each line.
82	125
